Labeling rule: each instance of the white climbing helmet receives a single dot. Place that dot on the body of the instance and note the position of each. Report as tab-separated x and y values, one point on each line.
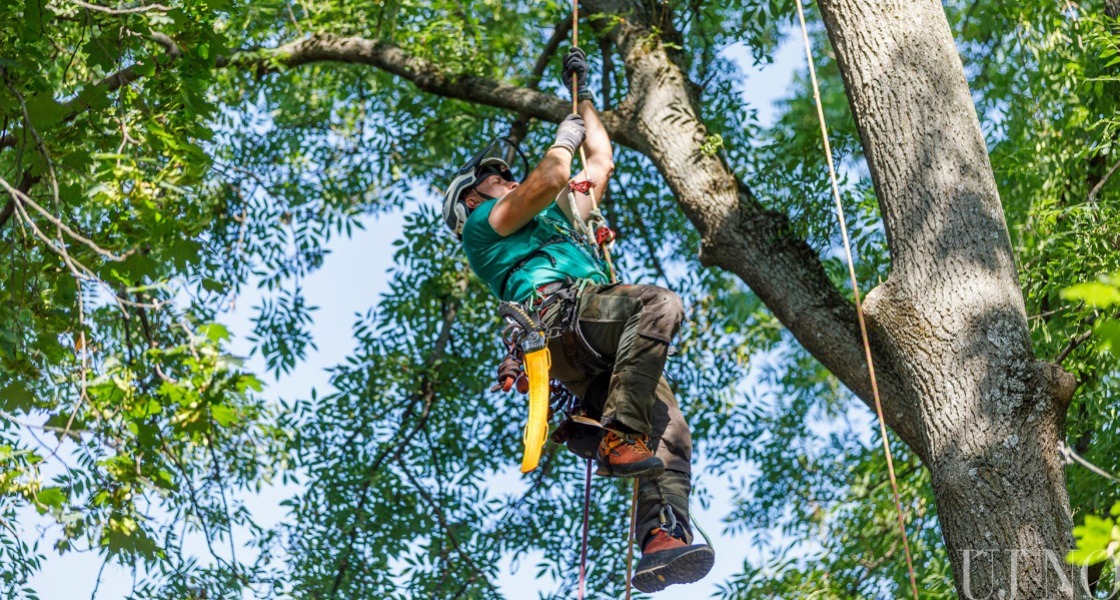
492	160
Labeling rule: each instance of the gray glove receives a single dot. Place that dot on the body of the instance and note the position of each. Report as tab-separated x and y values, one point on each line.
570	134
575	64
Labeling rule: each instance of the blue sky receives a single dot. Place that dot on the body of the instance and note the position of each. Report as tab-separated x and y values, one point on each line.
350	281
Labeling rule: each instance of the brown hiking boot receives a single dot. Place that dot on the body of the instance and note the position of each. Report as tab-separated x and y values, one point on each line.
667	560
626	456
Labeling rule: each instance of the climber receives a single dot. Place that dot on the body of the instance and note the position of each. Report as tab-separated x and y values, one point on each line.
615	338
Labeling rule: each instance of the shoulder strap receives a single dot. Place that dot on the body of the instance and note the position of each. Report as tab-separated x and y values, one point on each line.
517	266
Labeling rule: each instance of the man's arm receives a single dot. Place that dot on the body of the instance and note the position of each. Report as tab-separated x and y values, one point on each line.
514	210
597	147
600	158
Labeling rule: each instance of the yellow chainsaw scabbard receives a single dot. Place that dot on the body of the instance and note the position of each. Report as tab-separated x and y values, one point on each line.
537	364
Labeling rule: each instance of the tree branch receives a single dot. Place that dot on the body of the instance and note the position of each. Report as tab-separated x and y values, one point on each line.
661	119
128	10
445	525
738	233
9	209
1074	342
1097	188
426	394
119	79
426	76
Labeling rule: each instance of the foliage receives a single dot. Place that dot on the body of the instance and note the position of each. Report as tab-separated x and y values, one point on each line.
147	208
1098	541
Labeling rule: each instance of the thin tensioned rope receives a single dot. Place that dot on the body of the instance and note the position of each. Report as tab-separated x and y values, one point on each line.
855	292
631	534
606	253
582	154
586	527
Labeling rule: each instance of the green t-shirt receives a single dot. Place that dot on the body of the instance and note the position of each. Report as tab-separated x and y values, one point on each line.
492	256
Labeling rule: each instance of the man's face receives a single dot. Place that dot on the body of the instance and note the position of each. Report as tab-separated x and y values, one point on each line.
493	186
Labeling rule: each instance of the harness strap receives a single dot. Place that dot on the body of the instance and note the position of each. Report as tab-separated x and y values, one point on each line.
517	266
576	348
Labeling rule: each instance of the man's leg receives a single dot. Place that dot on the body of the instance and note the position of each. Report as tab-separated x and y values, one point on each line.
671	441
634	325
662	501
664	531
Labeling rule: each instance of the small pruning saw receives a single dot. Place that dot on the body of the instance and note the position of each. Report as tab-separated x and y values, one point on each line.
530	338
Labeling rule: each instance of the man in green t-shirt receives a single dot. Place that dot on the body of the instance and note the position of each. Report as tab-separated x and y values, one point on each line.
522	243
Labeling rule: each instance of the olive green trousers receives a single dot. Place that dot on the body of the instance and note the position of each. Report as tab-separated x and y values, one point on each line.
632	326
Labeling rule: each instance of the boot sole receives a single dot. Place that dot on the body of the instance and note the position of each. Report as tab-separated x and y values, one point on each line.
685	565
652	467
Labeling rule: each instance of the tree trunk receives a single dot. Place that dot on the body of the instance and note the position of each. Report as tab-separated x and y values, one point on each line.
951	314
739	234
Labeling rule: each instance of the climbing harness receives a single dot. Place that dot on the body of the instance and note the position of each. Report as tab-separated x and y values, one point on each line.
858	302
525	333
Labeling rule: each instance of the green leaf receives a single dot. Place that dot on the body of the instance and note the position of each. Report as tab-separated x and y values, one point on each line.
1094	294
16	397
1093	540
1108	337
33	15
215	332
224	415
251	382
49	498
45	111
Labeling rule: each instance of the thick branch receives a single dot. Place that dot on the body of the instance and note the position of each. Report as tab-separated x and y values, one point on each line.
119	79
660	119
426	76
738	233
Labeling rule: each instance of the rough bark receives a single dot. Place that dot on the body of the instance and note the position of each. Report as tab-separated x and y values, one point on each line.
1112	8
738	233
951	314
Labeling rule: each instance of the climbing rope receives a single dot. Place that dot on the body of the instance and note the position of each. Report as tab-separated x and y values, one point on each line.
602	240
630	538
586	527
855	292
601	235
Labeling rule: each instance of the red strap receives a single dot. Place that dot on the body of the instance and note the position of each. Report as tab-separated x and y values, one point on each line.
604	235
581	186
